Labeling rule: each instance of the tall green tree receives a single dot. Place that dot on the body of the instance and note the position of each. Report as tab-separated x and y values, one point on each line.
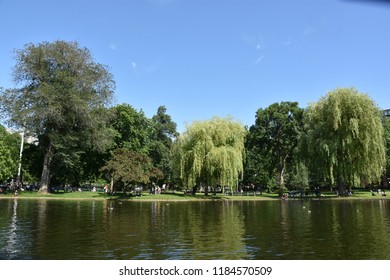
211	153
345	138
60	100
163	135
274	137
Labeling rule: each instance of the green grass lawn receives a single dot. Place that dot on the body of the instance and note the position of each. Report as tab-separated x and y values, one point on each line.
180	196
145	196
58	195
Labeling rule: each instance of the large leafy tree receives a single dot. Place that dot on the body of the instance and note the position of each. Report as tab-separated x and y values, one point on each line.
127	160
163	135
129	167
344	138
130	129
273	139
60	99
211	153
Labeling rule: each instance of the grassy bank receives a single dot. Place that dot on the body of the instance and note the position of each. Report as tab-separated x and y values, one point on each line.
168	196
180	196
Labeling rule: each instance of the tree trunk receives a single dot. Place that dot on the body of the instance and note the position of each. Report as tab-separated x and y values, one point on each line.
45	177
281	176
342	188
112	185
385	182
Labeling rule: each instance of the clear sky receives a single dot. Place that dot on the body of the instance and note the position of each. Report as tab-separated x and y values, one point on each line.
202	58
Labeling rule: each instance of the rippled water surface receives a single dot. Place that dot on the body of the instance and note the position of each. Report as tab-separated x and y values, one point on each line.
52	229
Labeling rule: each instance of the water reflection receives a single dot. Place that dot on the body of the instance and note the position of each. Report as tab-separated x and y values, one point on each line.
215	225
48	229
11	237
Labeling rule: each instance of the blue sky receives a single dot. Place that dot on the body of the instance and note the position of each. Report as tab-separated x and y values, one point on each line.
205	58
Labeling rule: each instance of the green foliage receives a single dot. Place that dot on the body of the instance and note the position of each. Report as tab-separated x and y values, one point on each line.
164	129
161	145
256	168
7	164
60	84
344	138
61	98
132	128
299	176
386	131
32	163
211	153
9	153
153	137
273	139
130	167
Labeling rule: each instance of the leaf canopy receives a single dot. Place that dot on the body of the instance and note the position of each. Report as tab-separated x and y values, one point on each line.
61	99
344	137
212	153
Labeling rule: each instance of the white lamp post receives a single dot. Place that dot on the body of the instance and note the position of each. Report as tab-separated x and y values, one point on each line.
18	181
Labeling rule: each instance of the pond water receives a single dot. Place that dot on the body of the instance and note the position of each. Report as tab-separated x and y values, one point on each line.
293	229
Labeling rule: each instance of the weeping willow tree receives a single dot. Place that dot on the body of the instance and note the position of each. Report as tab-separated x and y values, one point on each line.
211	153
344	138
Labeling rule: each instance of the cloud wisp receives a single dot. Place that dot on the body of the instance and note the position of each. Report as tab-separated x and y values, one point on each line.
140	71
113	47
259	59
